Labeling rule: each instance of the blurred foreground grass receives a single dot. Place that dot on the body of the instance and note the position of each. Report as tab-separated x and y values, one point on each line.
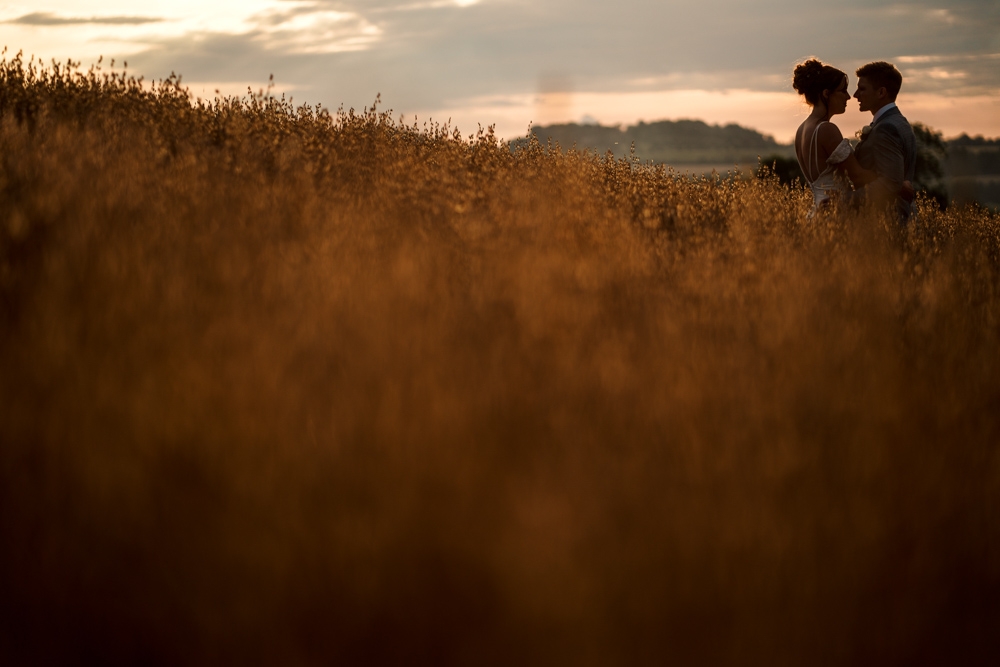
281	387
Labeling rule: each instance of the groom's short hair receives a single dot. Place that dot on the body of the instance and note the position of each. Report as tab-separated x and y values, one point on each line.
883	75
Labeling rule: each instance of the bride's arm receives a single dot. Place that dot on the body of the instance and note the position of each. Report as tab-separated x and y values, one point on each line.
842	155
859	175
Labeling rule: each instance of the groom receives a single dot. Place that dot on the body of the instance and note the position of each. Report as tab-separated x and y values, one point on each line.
888	146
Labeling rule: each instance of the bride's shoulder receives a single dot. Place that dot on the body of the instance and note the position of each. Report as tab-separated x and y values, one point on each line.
829	136
829	131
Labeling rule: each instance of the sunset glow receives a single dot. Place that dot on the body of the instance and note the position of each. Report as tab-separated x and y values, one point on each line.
491	62
773	113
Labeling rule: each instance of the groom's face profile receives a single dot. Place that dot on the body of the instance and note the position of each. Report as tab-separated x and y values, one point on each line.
869	97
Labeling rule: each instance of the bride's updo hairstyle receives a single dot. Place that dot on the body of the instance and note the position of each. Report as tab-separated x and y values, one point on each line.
812	77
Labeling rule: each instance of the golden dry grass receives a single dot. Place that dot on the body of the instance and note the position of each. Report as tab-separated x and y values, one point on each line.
281	387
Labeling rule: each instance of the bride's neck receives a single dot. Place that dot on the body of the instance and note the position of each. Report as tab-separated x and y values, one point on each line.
820	112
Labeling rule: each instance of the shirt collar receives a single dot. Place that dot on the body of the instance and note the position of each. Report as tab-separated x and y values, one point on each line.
881	112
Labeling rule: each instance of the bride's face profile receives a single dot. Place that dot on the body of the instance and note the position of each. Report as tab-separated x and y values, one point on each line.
836	100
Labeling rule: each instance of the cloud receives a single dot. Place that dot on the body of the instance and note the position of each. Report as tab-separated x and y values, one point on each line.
50	19
508	44
304	27
437	54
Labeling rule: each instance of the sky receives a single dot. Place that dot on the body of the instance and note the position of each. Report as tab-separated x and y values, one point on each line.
511	63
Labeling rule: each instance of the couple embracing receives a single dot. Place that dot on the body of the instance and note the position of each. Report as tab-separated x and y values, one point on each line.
882	166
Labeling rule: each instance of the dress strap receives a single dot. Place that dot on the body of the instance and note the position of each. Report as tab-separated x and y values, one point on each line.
814	150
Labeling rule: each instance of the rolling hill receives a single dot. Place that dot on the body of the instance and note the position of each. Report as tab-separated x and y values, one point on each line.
680	142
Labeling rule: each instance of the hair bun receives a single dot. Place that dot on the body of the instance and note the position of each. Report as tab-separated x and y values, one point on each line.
805	74
812	77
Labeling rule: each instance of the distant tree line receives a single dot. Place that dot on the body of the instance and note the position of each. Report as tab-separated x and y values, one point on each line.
668	142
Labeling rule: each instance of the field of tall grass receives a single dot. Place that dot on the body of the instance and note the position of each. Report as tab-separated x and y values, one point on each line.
281	386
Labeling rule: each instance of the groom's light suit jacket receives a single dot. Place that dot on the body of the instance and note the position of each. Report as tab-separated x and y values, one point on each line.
890	150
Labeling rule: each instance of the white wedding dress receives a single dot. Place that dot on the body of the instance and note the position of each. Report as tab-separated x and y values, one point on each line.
828	185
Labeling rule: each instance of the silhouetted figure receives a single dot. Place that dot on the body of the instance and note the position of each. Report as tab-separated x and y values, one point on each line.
824	155
888	146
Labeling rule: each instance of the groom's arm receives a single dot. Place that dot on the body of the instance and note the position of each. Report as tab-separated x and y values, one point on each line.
887	149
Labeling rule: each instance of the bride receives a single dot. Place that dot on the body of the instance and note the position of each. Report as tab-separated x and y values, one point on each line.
824	155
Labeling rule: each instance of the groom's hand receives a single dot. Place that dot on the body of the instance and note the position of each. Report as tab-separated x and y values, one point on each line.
907	192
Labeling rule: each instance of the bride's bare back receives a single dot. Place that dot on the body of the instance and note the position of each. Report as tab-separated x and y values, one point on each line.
817	138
